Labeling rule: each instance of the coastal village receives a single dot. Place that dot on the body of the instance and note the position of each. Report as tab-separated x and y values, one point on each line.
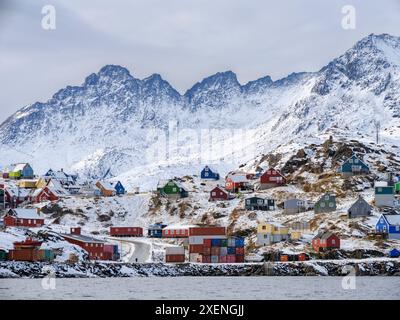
279	226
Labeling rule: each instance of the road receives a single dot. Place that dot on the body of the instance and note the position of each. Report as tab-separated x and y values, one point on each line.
139	251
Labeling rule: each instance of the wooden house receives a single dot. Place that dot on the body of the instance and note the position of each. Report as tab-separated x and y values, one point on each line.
219	194
293	206
15	196
21	170
360	208
325	240
354	166
327	203
27	183
106	188
384	195
19	217
236	183
272	178
48	193
209	174
271	232
258	203
172	189
96	249
389	224
61	176
119	188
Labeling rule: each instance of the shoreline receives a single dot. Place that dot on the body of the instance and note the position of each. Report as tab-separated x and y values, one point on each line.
367	267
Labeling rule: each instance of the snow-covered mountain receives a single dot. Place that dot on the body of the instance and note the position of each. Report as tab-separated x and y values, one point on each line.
114	120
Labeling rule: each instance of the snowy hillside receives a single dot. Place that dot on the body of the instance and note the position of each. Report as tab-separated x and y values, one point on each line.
114	120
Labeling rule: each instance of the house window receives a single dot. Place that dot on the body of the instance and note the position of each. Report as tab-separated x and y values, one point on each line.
174	189
350	160
260	201
397	228
379	189
333	241
327	198
331	204
322	204
264	227
355	160
213	193
206	174
29	221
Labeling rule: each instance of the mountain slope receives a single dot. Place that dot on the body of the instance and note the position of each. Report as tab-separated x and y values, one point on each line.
114	120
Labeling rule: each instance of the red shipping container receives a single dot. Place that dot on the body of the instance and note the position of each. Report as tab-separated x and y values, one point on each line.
222	259
302	257
24	255
215	251
126	231
207	231
284	257
207	242
207	251
230	258
205	259
196	248
240	251
109	248
239	258
175	258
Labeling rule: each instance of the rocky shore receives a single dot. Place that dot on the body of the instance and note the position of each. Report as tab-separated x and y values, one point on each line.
367	267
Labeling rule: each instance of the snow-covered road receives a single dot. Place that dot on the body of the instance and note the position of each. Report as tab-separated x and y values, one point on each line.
139	251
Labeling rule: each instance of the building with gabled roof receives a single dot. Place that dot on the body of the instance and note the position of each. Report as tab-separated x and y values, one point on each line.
22	217
325	240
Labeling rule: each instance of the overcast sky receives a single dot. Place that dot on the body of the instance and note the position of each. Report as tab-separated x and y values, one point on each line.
182	40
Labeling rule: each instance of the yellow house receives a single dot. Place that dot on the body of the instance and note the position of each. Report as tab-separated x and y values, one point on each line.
41	183
295	235
273	228
27	184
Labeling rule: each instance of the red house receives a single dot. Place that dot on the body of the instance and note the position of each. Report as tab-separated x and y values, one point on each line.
44	194
94	247
235	183
14	196
325	240
272	178
23	218
126	231
219	194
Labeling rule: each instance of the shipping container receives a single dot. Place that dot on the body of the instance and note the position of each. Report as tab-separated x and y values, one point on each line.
223	251
214	259
204	231
195	248
222	259
284	257
239	258
215	251
231	242
207	242
109	248
240	250
175	258
302	257
206	259
224	242
200	239
231	258
239	242
231	250
174	250
216	242
24	255
126	231
207	251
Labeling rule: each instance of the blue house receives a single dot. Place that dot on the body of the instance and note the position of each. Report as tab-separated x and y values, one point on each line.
155	230
390	225
354	166
208	173
394	253
119	188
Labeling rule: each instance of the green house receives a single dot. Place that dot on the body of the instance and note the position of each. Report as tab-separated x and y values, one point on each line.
172	188
327	203
397	187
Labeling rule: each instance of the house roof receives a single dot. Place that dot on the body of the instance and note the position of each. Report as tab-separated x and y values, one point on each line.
19	166
82	238
24	213
392	219
107	185
163	182
14	191
238	178
210	168
360	199
354	156
324	235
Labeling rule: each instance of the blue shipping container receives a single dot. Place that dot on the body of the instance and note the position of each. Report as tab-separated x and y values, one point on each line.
231	250
215	242
239	242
